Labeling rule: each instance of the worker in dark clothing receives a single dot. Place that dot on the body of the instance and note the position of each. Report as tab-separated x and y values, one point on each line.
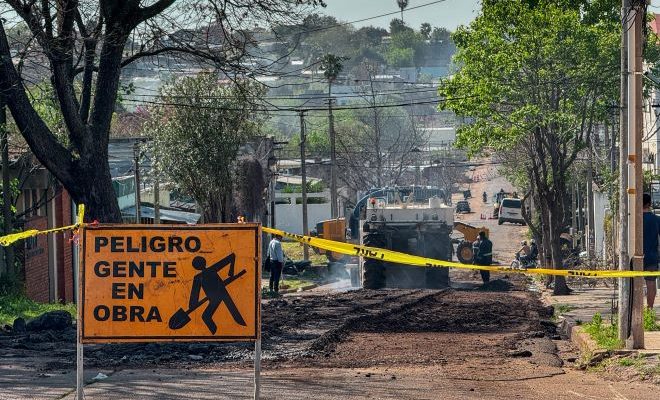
651	232
483	254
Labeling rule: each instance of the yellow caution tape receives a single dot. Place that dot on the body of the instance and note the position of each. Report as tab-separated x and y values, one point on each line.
408	259
15	237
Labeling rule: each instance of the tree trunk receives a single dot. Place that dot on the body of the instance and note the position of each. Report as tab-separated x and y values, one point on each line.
556	220
93	188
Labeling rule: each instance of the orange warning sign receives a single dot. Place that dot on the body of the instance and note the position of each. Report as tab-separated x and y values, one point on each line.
144	283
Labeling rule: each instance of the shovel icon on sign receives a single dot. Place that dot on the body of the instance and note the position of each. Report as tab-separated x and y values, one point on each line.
216	292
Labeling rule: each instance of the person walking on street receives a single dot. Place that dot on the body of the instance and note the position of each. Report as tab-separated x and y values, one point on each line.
276	256
651	232
483	255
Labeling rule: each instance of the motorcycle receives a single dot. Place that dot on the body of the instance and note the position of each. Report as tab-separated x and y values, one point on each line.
485	196
523	264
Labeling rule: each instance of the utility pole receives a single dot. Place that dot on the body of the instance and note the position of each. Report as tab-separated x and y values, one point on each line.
136	170
156	198
9	267
333	158
624	260
591	235
633	19
303	174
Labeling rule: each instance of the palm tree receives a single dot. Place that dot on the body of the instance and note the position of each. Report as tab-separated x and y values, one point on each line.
402	5
332	66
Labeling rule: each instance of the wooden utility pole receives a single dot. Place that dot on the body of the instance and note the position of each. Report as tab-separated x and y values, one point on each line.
632	294
156	198
8	263
136	171
303	174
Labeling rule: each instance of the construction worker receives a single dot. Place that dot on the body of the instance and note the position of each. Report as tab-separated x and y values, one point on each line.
276	256
483	254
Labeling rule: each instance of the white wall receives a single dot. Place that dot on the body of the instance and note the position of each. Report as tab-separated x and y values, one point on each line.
288	217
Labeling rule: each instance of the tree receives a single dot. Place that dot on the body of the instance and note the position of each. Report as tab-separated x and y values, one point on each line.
88	42
402	5
397	25
536	77
197	131
376	145
425	30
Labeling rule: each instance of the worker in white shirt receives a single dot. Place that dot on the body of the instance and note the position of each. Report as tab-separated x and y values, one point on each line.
276	256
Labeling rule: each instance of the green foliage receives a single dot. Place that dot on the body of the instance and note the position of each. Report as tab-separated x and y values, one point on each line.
604	335
332	66
317	142
399	57
527	67
15	305
650	320
648	176
196	141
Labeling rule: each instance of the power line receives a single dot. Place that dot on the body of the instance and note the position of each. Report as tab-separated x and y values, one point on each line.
298	109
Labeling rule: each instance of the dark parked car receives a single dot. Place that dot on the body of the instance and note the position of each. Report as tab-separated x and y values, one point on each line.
462	206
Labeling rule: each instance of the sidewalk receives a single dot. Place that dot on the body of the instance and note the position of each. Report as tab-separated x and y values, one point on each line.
580	306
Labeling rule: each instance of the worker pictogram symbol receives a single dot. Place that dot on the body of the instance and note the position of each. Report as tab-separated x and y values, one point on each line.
215	289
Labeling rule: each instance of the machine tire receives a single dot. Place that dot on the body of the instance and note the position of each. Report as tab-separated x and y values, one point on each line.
374	270
464	252
500	222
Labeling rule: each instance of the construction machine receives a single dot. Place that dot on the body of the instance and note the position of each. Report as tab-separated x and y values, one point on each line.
408	220
464	251
331	229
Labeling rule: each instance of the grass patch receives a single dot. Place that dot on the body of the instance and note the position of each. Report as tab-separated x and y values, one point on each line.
604	335
637	361
650	320
291	283
294	251
561	309
13	306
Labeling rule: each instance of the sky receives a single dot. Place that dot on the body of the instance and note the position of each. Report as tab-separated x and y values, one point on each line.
448	13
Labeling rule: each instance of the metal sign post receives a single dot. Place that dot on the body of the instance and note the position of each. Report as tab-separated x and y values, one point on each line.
257	368
80	377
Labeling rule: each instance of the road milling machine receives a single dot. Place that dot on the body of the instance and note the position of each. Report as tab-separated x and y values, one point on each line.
414	221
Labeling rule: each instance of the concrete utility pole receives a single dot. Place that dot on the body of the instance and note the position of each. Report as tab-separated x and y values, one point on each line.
591	235
136	171
303	174
632	295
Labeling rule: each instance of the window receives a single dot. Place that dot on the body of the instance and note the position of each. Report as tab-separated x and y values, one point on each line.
511	203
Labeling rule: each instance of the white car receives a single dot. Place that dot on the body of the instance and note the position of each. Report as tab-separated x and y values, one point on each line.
510	211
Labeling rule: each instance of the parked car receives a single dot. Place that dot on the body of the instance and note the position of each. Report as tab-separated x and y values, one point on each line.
463	206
